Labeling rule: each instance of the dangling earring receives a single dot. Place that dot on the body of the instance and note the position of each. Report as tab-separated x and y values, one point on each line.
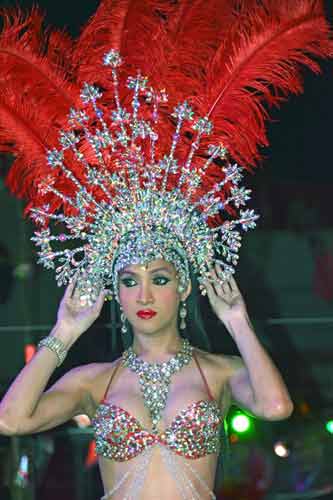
123	323
182	314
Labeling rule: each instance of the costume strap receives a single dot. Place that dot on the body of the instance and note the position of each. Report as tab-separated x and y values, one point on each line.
203	376
111	378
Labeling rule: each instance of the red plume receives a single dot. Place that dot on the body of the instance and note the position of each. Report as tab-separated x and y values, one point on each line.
256	63
231	59
36	59
35	94
22	134
133	27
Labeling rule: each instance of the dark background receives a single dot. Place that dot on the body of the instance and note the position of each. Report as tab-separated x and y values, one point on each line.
285	271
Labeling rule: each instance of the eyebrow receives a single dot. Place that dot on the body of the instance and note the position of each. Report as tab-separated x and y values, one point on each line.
151	272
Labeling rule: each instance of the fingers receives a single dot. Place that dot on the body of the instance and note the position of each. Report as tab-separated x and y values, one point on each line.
220	286
211	293
227	287
233	285
70	289
74	299
231	280
216	284
100	300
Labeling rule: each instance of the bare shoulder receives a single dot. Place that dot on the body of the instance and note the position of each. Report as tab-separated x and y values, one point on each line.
215	368
219	368
93	379
231	364
223	366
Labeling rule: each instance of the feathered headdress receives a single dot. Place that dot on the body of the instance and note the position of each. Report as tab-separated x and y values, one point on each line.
137	157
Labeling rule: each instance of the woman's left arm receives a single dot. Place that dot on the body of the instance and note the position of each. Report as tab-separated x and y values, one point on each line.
255	382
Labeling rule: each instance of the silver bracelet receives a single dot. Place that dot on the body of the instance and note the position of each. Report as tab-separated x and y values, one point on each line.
55	345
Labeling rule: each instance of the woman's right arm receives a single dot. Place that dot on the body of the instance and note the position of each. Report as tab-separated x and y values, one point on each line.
26	408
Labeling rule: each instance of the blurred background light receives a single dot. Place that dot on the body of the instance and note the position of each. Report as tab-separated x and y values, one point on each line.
240	423
329	426
281	449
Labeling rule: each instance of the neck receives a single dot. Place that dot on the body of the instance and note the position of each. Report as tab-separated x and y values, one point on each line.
157	347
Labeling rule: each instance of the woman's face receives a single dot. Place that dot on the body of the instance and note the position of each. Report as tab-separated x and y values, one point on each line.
149	296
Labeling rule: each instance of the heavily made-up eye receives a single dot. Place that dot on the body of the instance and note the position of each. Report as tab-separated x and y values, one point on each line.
160	280
128	282
157	280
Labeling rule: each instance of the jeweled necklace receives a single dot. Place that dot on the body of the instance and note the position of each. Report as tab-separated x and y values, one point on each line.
155	378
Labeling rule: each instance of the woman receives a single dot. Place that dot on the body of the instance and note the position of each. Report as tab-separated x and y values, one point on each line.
150	300
143	210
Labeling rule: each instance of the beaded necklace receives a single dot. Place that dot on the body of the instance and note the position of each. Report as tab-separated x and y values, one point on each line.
154	378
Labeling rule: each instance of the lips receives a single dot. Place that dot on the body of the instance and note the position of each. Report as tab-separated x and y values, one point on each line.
146	313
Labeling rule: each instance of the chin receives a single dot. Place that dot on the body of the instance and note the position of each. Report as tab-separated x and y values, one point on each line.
150	327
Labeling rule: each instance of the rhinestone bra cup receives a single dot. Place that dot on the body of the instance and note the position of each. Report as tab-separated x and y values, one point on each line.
192	434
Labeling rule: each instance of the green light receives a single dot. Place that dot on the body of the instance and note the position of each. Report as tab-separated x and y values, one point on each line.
329	426
240	423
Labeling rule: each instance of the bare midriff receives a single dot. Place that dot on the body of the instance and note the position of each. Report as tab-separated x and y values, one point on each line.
159	482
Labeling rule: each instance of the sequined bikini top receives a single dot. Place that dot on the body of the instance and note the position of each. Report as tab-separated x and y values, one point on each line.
193	433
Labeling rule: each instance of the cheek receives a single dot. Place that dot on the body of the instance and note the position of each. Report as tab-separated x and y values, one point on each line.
167	303
168	298
127	297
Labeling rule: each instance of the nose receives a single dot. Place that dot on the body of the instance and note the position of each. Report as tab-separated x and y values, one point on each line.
145	294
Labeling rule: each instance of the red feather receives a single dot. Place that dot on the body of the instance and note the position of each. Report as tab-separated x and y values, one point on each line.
133	27
195	31
257	64
19	136
232	59
36	94
30	56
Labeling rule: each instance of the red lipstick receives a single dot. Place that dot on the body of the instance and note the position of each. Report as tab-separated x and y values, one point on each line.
146	313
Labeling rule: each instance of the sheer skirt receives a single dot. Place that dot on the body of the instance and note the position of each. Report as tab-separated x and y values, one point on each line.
189	484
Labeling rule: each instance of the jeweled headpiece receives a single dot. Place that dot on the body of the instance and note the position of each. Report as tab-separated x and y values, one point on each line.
132	201
140	175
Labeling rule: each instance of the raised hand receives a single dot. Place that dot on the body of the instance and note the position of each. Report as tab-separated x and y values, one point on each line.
74	316
225	298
